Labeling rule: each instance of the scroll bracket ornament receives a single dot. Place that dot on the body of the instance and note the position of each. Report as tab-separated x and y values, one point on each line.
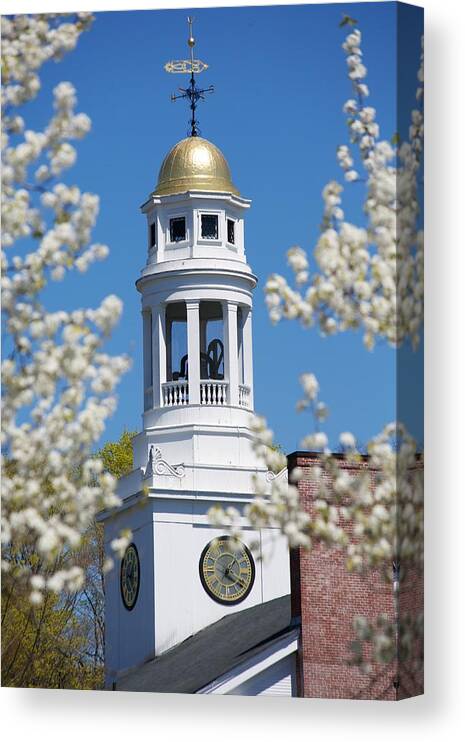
270	476
157	465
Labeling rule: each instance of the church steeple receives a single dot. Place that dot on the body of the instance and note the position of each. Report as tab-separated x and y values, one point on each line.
194	449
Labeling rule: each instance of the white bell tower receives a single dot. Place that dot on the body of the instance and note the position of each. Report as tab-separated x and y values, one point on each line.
195	447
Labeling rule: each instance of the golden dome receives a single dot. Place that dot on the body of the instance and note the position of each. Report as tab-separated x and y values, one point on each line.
194	164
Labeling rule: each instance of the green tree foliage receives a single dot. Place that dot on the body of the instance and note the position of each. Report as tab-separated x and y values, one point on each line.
60	643
46	645
117	456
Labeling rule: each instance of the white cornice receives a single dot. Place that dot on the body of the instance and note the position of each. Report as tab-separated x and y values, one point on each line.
191	267
179	198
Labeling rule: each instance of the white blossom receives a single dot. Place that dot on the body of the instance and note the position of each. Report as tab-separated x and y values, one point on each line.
58	384
347	440
310	385
371	277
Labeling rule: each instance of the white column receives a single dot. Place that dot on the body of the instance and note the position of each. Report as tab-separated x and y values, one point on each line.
147	357
193	351
159	352
231	365
247	350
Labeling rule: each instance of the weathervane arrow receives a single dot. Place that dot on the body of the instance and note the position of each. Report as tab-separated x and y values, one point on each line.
192	67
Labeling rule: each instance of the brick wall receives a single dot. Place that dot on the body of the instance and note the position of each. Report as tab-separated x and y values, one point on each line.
326	598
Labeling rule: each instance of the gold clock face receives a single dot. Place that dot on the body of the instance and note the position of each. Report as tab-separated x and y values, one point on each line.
130	577
227	570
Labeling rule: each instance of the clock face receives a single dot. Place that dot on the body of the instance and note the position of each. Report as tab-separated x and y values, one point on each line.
130	577
227	570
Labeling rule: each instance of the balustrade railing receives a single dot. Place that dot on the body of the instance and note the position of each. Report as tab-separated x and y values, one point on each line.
175	393
213	392
244	396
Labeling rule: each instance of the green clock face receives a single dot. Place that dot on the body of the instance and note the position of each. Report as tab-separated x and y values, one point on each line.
130	577
227	570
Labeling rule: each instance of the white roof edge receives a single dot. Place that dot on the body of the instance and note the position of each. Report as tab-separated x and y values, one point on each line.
270	655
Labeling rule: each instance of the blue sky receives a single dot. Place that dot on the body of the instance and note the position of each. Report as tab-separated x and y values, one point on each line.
280	83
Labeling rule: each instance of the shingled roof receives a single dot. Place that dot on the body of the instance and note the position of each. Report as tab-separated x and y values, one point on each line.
211	652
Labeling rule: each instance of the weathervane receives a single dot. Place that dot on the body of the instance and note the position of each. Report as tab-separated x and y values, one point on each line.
193	93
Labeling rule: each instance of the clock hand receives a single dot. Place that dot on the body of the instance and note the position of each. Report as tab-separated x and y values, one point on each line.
234	578
228	568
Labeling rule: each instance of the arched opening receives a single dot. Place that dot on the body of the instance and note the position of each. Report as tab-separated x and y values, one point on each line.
176	341
211	340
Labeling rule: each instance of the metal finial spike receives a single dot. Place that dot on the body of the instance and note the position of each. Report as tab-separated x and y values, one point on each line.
192	93
191	40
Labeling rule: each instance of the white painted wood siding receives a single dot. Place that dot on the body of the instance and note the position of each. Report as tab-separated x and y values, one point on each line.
277	680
